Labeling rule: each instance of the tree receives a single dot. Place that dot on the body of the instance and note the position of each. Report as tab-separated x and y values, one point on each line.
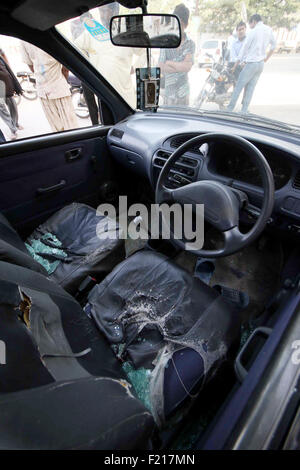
221	16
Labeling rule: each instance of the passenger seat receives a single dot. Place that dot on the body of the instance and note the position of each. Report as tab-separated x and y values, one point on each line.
67	247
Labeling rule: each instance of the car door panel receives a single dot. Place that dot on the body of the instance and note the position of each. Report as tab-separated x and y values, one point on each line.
42	178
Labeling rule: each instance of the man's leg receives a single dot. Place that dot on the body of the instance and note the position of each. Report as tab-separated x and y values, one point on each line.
13	110
249	89
4	114
51	114
60	113
244	77
66	112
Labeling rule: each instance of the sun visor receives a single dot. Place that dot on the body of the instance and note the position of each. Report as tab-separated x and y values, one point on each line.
42	14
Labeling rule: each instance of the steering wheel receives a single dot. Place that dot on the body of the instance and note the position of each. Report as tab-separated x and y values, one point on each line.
222	204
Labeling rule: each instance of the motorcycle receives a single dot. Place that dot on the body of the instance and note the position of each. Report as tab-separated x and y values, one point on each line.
28	84
79	103
218	86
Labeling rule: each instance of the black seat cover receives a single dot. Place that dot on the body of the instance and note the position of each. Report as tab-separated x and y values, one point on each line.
172	330
92	413
73	245
61	386
67	247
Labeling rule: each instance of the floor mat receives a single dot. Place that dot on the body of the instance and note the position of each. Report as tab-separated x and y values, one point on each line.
255	271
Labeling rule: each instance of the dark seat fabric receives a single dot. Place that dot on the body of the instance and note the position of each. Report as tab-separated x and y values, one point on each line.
71	245
13	249
172	331
92	413
58	369
68	247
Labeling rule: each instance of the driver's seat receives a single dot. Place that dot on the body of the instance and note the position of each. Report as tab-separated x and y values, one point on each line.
171	331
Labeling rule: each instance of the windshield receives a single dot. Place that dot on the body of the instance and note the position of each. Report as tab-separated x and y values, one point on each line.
237	58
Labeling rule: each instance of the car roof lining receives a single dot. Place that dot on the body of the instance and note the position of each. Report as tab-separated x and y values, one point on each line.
43	14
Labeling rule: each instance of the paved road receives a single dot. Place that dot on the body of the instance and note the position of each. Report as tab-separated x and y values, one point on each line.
277	96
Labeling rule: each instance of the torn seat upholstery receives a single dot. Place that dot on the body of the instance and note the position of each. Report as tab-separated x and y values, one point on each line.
171	331
60	384
68	247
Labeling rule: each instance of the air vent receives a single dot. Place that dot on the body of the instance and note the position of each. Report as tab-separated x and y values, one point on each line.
185	165
117	133
182	139
160	158
296	182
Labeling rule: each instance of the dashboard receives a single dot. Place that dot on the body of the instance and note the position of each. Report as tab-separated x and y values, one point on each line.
237	165
144	141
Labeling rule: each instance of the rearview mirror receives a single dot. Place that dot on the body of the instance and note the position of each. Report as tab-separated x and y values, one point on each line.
150	31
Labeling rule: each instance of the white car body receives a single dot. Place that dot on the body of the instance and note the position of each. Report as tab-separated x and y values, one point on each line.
212	47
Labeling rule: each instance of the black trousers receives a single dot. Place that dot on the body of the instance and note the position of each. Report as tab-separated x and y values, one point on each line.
91	104
13	110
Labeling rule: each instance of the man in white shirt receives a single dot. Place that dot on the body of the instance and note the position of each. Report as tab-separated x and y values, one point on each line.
116	64
253	54
237	42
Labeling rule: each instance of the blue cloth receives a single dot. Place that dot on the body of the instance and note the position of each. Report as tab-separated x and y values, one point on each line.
184	371
248	79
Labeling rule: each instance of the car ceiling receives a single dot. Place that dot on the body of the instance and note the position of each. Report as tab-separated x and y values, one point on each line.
43	14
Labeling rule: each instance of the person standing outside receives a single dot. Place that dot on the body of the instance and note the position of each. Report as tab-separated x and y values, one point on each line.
253	55
175	64
52	88
115	64
5	115
77	29
236	46
13	88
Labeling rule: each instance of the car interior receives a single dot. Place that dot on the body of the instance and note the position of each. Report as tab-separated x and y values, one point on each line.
128	344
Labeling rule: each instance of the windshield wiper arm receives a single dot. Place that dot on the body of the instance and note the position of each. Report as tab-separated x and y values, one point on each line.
256	118
238	116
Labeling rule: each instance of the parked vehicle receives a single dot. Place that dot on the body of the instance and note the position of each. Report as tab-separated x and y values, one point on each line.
285	46
210	51
218	86
286	40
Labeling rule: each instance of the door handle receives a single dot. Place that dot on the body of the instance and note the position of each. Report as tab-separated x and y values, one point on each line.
240	370
51	189
73	154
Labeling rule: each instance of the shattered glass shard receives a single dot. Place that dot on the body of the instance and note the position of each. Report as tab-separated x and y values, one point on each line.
140	380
